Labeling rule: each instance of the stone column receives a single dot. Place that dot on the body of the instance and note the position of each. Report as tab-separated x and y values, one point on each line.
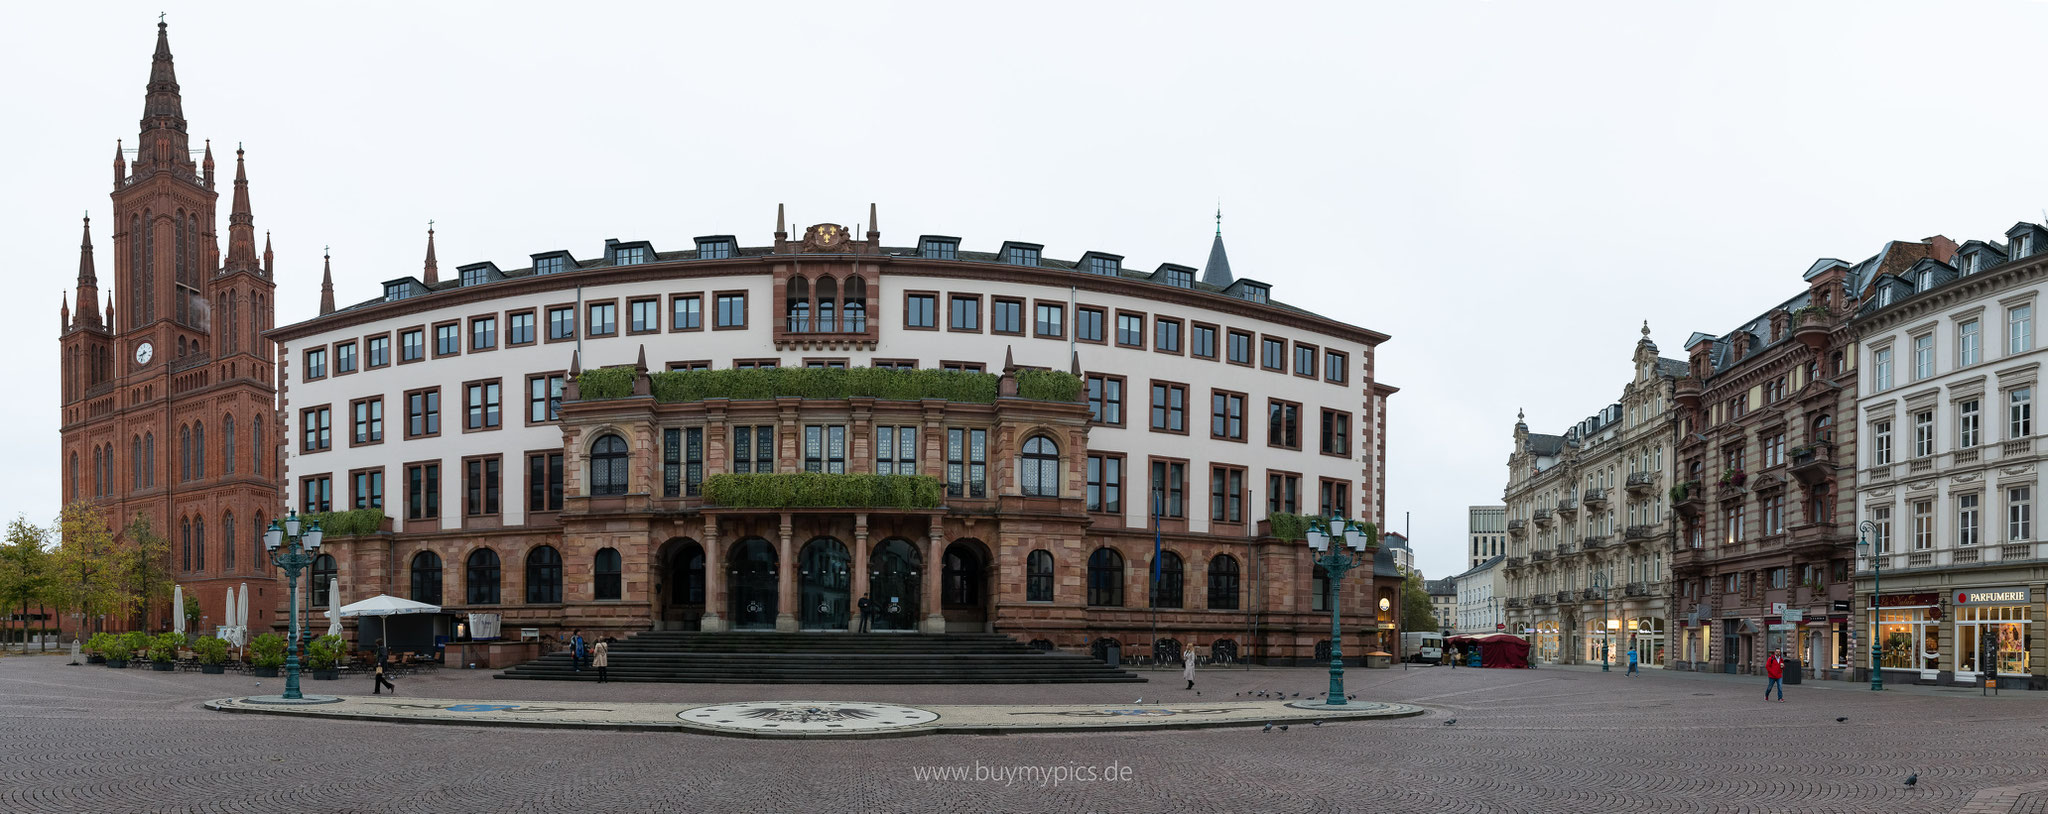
858	586
786	578
714	578
934	565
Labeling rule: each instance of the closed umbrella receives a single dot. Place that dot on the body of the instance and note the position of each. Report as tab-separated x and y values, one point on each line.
242	620
333	600
227	623
178	609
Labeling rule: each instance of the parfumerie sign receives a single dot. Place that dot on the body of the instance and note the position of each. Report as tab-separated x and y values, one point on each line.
1992	596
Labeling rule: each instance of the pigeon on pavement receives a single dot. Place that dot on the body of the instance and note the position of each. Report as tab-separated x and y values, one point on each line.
1318	722
1269	727
1283	727
1913	779
1451	722
1839	720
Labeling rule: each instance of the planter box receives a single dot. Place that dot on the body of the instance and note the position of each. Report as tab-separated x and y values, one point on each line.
95	658
213	669
326	675
118	664
162	666
263	672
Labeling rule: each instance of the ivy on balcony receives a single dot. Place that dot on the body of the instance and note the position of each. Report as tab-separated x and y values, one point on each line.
353	521
813	490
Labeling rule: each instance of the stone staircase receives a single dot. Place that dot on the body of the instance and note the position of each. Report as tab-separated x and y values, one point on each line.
828	658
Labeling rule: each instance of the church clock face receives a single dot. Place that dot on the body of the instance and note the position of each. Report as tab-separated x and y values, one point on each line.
144	352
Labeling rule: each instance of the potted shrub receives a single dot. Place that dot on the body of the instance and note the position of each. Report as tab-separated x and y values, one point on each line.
323	654
163	650
117	651
266	654
213	654
96	646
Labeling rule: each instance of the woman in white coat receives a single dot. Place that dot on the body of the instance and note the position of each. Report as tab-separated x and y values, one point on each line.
1187	659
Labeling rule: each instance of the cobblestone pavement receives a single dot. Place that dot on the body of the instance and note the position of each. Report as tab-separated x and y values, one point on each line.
92	739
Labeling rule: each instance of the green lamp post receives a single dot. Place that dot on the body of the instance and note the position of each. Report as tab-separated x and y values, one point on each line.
1606	634
292	549
1864	545
1340	546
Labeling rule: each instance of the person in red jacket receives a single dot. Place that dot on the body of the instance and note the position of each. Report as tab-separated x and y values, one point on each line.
1775	668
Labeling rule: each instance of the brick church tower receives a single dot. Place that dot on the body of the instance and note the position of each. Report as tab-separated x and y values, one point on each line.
169	400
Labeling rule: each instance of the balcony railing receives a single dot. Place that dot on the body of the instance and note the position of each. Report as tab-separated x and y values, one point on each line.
1814	464
1564	596
1566	549
1594	542
1642	483
1540	555
1636	589
2020	446
1567	506
1596	498
1590	595
2015	552
1542	517
1517	603
1638	533
1517	562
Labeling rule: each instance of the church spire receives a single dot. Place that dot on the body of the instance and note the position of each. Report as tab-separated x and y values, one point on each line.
241	224
326	284
268	258
120	164
88	281
1217	271
206	167
63	312
163	112
432	272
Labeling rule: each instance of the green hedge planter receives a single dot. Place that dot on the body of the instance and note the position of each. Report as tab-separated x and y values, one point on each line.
819	491
861	382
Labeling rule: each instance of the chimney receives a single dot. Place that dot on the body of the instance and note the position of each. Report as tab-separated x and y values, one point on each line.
1941	248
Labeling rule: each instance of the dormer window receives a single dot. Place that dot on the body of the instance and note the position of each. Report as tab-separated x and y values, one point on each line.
1884	296
1180	278
714	250
394	292
1924	281
1020	256
547	265
1976	263
475	276
1254	292
2022	245
939	249
629	256
1105	266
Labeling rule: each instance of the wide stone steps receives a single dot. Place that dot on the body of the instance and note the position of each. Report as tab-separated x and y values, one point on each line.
828	658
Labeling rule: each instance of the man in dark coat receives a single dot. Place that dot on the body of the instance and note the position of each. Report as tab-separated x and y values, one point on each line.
867	612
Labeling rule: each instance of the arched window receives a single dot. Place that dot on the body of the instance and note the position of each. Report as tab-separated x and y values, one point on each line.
227	542
799	305
227	445
198	450
1106	578
184	453
73	493
323	570
1823	428
256	530
1167	589
426	578
1041	467
135	461
855	312
608	465
543	576
607	569
99	470
960	576
199	544
1038	576
482	578
185	542
149	459
1223	581
828	294
256	450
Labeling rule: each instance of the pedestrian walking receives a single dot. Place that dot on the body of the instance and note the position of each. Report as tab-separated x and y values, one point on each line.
1456	654
382	682
1775	668
867	612
577	651
1632	663
601	657
1187	671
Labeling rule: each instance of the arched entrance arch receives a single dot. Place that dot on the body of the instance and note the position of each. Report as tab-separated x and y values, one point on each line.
1547	644
752	584
893	584
679	601
825	586
964	589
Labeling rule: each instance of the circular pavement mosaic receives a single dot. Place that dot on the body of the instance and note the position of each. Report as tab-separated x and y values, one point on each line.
806	717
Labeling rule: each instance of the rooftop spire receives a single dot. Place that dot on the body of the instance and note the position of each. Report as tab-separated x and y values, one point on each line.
326	283
781	228
120	164
110	310
163	113
874	226
268	258
241	224
207	165
63	312
88	281
432	272
1217	271
1219	218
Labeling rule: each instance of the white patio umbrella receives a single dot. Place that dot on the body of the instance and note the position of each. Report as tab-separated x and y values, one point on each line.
386	605
178	609
228	622
333	598
242	619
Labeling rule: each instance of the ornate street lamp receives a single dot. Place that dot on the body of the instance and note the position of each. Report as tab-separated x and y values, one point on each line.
1606	634
1341	545
1865	531
292	551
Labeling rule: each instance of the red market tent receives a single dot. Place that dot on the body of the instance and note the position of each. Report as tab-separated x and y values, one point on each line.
1497	650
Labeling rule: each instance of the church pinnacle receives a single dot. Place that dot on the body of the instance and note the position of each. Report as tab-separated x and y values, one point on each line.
241	224
1217	271
326	283
88	282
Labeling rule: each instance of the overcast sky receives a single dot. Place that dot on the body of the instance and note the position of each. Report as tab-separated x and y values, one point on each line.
1508	189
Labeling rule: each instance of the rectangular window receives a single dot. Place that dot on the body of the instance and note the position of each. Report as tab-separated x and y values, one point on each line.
319	428
377	352
895	450
631	256
1226	494
447	339
412	345
1169	407
483	401
963	367
1283	424
1305	360
732	311
1337	432
2019	329
1967	519
1336	366
345	358
938	249
1106	399
1923	525
825	448
1923	434
480	477
686	313
316	363
423	413
544	482
368	420
753	450
1923	357
1283	493
1731	523
714	250
1006	316
1166	335
547	265
1088	324
1169	489
682	458
1226	415
422	491
1881	370
1202	341
367	489
893	364
1105	266
966	462
921	311
1968	421
483	333
519	328
1049	321
836	363
2019	416
316	494
1881	443
964	312
2019	514
604	318
475	276
1273	354
1106	483
1336	498
544	398
644	316
1969	343
1881	518
1019	256
1240	348
1130	330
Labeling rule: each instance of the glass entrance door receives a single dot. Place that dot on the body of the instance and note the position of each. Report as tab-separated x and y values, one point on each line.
893	584
753	585
826	596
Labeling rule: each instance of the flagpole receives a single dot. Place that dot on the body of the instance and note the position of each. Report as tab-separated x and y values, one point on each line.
1155	578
